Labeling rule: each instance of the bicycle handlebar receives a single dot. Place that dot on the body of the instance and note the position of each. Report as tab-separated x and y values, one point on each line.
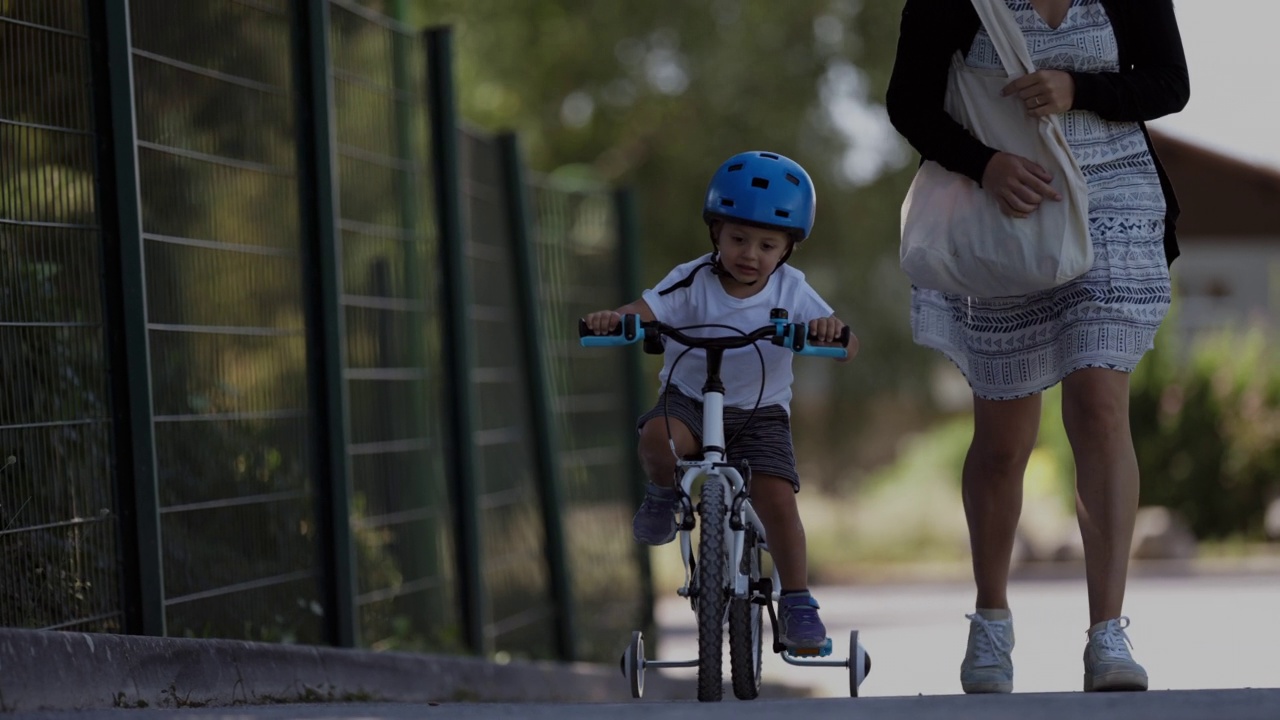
793	336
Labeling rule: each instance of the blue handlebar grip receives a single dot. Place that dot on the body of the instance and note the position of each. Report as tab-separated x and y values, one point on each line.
802	330
627	332
823	351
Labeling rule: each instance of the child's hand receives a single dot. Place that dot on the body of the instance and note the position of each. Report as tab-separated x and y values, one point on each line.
828	330
602	322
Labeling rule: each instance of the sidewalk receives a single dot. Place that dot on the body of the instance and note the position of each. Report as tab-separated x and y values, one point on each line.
1195	626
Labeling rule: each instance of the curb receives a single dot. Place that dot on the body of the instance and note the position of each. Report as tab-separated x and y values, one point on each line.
47	670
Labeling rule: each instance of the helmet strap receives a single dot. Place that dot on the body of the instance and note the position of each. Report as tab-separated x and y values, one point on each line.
716	268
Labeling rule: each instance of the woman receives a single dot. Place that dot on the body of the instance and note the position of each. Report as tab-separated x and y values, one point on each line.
1106	67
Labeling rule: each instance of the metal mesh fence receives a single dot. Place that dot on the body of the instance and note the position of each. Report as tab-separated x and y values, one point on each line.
577	244
401	521
513	539
225	196
57	512
216	157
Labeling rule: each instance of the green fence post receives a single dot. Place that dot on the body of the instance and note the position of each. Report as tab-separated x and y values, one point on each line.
408	186
542	420
456	283
420	560
325	337
125	318
628	280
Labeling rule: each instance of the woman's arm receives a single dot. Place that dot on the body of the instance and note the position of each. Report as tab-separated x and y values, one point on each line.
1156	83
927	40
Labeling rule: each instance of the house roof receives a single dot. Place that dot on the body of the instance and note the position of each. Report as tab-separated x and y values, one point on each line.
1220	196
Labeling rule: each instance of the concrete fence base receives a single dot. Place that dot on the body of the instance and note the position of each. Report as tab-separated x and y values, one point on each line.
41	670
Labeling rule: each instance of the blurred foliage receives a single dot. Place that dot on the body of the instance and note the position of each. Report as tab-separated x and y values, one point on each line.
656	95
1206	423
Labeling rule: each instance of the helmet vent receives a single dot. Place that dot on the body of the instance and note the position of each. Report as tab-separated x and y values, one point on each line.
726	202
771	156
760	182
782	213
735	167
793	179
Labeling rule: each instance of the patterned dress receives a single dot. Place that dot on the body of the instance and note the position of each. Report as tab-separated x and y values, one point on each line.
1107	318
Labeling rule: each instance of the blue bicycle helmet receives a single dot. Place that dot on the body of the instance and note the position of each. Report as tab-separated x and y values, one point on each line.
762	188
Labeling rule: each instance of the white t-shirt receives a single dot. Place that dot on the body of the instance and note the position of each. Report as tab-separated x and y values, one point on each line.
704	301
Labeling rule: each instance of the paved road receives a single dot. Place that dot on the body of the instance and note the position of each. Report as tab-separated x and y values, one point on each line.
1160	705
1200	632
1204	639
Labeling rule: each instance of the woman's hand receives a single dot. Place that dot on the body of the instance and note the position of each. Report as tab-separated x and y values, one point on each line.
1044	92
602	322
1017	184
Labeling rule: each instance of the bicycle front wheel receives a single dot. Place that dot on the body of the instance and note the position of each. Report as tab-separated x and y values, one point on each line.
746	626
711	592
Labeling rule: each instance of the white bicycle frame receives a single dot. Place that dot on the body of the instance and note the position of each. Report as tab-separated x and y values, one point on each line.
712	468
739	515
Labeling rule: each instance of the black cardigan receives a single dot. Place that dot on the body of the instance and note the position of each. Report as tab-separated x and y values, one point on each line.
1152	82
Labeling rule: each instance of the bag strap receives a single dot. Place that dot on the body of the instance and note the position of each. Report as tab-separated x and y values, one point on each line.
1006	36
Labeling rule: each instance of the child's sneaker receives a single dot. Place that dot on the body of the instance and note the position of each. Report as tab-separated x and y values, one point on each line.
798	622
655	521
988	665
1107	662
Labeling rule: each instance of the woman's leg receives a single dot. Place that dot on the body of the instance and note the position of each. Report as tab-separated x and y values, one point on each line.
1004	435
1095	413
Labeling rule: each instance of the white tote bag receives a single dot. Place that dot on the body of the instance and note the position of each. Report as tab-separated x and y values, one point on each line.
954	236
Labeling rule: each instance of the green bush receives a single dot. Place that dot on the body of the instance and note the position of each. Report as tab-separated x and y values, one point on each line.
1206	424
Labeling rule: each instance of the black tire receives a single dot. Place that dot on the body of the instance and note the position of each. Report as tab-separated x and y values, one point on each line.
746	627
711	594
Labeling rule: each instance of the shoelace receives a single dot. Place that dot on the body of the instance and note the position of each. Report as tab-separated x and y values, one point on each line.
801	614
990	647
1112	641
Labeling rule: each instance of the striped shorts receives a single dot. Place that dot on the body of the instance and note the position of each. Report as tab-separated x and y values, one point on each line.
765	443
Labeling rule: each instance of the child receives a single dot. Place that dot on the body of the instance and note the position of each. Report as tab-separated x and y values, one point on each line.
759	207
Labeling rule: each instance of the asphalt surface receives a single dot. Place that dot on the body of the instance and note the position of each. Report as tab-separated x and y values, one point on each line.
1192	630
1161	705
1208	639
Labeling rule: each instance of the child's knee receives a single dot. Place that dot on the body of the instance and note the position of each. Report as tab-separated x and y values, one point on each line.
656	460
655	447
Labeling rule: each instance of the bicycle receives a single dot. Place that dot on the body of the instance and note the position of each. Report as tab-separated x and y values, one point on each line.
724	584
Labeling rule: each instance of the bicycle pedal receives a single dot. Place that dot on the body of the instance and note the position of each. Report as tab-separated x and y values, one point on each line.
821	651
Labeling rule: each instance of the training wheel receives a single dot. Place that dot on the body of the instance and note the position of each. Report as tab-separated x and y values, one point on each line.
859	664
633	664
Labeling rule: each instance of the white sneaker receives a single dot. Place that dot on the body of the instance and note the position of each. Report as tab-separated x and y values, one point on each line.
988	661
1107	662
